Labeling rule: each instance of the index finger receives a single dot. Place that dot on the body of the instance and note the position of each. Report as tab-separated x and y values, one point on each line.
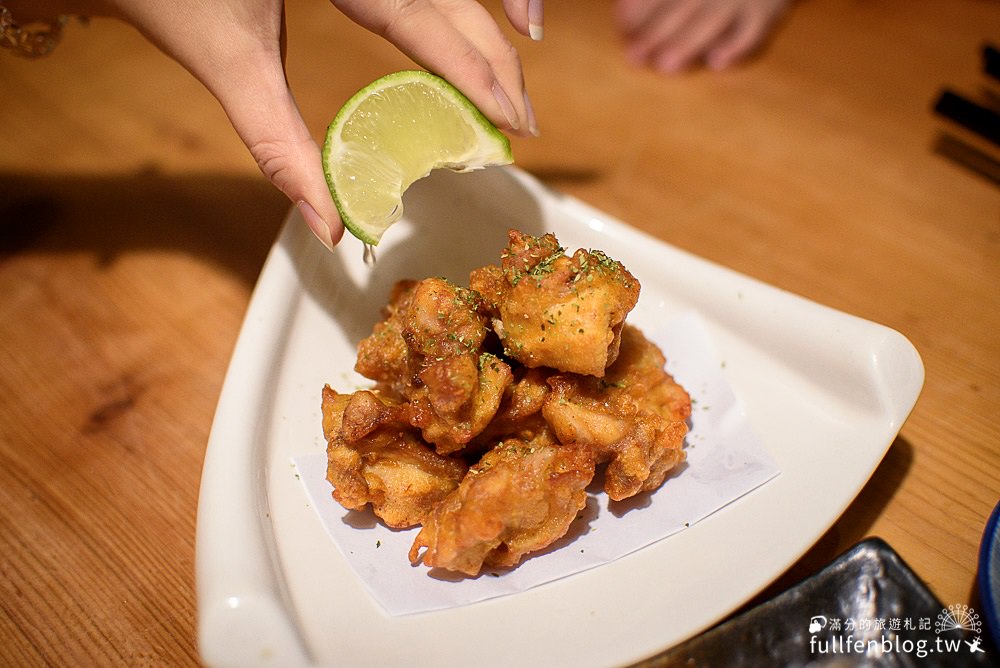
525	16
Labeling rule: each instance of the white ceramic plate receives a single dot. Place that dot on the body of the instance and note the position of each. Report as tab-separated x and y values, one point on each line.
826	392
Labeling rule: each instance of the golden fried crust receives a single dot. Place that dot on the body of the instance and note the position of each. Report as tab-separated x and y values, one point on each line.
443	320
375	457
488	282
520	412
553	310
574	388
426	322
634	418
448	423
333	404
429	351
384	356
519	498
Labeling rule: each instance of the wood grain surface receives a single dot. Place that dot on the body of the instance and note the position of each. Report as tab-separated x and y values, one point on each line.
133	224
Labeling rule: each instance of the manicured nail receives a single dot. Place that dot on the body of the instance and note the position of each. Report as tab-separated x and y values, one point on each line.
532	123
535	19
315	223
505	106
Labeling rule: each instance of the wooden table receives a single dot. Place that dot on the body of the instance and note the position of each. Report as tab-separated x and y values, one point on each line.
133	225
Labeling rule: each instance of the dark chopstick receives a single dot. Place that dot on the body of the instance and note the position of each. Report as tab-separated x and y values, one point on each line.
968	156
991	61
981	120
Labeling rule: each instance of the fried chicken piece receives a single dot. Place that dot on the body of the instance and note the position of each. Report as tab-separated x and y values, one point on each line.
634	418
430	352
373	456
576	388
520	412
384	356
521	497
459	398
443	320
553	310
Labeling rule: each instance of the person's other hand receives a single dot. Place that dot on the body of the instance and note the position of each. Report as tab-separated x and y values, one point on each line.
235	48
672	35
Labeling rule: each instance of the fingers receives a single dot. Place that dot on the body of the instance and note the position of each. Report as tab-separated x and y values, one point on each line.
473	21
699	33
234	48
525	16
671	35
460	41
631	15
747	33
265	116
656	26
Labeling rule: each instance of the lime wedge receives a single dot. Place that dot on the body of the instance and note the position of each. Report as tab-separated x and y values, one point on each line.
394	131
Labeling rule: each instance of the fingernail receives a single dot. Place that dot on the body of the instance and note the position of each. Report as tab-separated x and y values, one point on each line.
535	19
315	223
505	106
532	123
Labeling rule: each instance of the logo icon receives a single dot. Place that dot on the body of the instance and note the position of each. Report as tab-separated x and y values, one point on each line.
958	616
961	616
817	623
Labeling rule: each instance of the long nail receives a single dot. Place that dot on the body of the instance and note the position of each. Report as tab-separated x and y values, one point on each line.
315	223
505	106
532	123
535	19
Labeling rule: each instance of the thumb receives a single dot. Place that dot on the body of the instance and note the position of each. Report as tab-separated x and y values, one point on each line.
268	121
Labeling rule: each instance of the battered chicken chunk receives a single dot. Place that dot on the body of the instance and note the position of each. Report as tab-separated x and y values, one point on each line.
430	352
373	456
554	310
520	412
635	418
384	356
459	398
521	497
532	365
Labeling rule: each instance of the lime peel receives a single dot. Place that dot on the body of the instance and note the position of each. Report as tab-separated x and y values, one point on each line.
395	131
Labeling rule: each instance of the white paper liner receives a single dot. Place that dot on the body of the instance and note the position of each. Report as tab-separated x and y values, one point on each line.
725	460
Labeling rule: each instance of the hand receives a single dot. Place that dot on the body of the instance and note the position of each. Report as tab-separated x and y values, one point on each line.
671	35
235	48
459	40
